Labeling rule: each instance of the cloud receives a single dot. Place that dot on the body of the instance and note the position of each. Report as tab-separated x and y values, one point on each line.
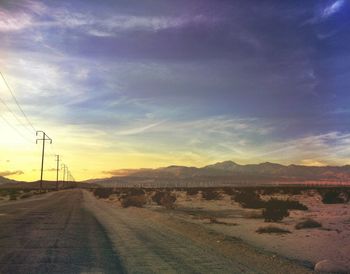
327	148
333	8
119	172
313	162
10	173
39	16
138	130
326	12
14	21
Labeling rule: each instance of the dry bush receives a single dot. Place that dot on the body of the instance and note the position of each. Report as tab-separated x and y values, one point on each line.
334	196
229	190
135	191
248	199
275	210
26	195
210	194
272	214
165	199
288	204
103	193
294	190
168	201
272	229
309	223
192	191
13	194
133	200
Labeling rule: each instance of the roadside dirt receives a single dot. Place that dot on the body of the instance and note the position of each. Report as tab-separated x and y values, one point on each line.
159	242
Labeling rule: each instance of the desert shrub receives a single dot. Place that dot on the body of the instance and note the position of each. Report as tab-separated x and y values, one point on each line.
26	195
157	196
272	229
168	201
334	197
133	200
210	194
13	196
248	199
229	191
135	191
270	190
309	223
103	192
290	204
165	199
271	214
275	211
192	191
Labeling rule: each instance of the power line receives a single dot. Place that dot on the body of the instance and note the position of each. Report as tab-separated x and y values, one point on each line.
17	103
13	114
28	125
15	129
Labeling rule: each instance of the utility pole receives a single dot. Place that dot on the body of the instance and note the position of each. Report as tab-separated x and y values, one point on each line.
68	179
64	174
44	139
58	169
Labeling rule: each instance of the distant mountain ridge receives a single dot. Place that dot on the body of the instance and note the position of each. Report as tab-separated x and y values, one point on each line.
231	169
4	180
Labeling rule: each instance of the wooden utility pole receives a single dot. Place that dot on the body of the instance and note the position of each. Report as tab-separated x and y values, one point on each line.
58	169
64	174
44	139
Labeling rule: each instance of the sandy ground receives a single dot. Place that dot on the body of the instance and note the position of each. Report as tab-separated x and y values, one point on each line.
73	232
331	241
153	241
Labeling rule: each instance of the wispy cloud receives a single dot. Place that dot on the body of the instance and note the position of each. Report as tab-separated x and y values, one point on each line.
326	12
14	21
328	148
138	130
100	26
333	8
11	173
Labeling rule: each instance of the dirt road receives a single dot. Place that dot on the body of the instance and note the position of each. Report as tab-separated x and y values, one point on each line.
72	232
54	234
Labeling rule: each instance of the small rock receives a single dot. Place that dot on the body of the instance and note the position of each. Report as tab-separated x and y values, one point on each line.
330	267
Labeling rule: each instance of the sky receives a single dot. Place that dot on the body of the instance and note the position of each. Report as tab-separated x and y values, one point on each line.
129	84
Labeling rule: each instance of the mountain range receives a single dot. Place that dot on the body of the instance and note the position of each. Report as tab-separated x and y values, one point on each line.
230	169
227	170
4	180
